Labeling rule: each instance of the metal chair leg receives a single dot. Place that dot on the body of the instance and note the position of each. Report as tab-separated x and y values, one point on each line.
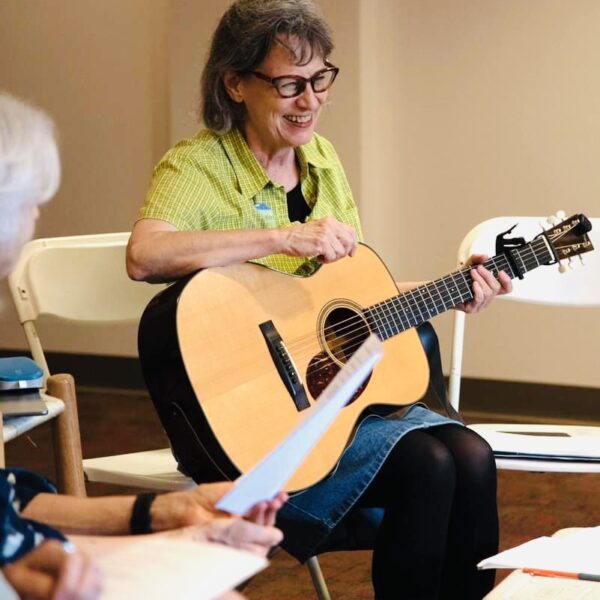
317	578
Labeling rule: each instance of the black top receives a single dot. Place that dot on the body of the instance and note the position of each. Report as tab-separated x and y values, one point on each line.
298	209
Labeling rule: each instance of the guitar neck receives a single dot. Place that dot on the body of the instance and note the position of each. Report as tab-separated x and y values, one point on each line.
410	309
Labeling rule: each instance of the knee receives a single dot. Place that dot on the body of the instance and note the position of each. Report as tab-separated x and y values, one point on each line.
477	467
424	462
481	457
432	470
438	467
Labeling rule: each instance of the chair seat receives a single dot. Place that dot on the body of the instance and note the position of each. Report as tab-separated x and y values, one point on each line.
153	469
15	426
548	448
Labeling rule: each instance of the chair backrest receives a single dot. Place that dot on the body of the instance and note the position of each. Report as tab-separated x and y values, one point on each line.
77	278
573	287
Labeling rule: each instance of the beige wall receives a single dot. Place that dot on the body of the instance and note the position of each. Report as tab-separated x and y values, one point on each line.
100	69
473	109
446	113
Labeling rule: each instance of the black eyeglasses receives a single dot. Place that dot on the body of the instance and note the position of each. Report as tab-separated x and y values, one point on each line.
290	86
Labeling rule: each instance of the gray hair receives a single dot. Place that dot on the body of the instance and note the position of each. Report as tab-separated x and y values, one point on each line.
29	170
245	35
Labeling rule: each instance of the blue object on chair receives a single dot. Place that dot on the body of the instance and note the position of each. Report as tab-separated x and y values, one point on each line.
20	373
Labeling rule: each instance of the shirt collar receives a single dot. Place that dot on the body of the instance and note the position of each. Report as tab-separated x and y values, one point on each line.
251	176
311	154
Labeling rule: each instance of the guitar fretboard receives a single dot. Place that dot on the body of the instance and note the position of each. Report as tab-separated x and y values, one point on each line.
416	306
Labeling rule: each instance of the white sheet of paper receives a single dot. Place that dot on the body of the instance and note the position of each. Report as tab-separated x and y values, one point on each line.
577	553
269	476
584	447
168	568
522	586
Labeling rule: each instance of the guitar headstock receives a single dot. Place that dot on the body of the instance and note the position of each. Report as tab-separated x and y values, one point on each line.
569	238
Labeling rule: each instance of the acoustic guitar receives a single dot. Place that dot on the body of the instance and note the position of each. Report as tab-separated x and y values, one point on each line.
232	356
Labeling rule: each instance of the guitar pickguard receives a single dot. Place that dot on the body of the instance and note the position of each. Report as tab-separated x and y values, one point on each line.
321	370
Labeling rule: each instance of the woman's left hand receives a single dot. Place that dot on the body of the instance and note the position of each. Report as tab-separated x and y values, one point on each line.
485	286
197	507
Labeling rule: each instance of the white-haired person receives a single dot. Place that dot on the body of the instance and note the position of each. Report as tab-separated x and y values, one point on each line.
42	533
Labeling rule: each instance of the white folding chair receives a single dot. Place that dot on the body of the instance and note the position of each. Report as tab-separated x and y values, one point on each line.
543	448
83	279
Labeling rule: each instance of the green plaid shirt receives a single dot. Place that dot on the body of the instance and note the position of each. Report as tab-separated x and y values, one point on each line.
215	182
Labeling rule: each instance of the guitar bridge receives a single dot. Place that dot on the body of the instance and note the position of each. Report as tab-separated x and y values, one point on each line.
285	365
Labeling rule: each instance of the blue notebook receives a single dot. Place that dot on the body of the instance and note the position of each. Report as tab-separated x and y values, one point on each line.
20	382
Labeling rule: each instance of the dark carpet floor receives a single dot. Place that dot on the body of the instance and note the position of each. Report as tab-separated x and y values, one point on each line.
531	504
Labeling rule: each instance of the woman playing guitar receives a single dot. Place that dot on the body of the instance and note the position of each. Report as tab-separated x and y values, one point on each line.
258	184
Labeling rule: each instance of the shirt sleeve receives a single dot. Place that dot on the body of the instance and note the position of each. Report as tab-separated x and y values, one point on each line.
18	535
177	188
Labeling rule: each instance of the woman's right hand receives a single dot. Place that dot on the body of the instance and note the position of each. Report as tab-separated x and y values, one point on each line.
328	239
235	532
50	572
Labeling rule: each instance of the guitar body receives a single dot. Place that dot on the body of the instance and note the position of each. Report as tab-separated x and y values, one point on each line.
213	380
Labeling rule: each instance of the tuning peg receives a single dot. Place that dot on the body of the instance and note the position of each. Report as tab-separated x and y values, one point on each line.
561	215
581	260
552	220
562	268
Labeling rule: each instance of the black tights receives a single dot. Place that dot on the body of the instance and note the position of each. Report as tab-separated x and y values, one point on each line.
438	489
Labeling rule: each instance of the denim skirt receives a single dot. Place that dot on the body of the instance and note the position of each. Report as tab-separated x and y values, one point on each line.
309	516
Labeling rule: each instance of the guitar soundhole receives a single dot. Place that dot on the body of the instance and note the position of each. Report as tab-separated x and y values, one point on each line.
343	331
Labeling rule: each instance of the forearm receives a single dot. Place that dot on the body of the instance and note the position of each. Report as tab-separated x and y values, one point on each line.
167	255
70	514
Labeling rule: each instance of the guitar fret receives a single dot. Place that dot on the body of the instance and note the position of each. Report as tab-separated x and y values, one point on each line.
375	320
383	333
398	320
415	302
438	283
423	302
389	318
524	267
412	319
537	262
379	320
525	258
402	316
437	309
466	294
504	265
493	267
452	291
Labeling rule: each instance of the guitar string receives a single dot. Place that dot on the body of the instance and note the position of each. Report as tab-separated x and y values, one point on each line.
346	326
525	255
300	345
352	342
350	347
306	345
309	342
